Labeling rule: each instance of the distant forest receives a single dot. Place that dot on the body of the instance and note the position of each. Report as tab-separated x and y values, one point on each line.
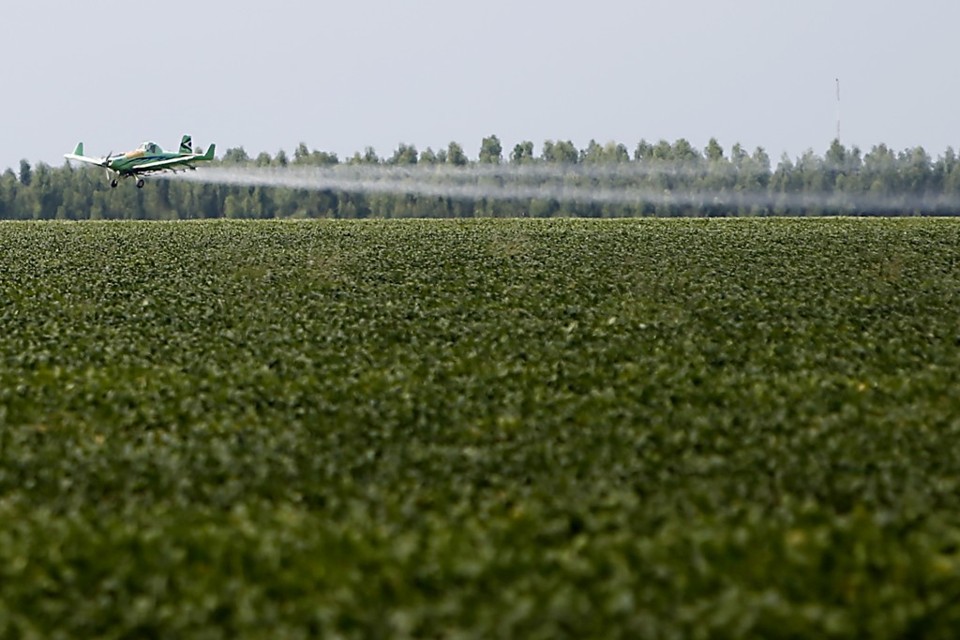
844	181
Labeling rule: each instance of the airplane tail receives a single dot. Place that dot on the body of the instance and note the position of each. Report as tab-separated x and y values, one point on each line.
79	150
212	149
186	144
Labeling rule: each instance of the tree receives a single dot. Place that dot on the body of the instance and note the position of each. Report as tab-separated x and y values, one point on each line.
836	156
761	161
880	173
8	187
236	156
713	151
455	155
593	154
491	151
663	151
951	179
323	158
836	165
26	173
522	153
683	151
427	156
738	155
916	168
301	153
370	156
643	151
405	154
562	151
615	152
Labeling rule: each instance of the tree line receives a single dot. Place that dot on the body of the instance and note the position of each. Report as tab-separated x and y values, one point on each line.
713	182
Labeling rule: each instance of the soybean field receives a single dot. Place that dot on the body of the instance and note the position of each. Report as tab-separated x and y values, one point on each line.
480	428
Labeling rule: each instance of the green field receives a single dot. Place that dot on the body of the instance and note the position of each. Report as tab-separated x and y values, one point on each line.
531	429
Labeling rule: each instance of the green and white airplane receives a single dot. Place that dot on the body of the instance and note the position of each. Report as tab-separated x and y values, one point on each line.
146	159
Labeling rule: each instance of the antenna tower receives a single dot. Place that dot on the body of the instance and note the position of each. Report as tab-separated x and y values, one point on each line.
838	109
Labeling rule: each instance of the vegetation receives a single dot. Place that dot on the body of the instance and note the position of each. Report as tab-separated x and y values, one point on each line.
843	181
524	428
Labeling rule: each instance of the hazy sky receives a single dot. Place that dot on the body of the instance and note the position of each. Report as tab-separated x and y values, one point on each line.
341	76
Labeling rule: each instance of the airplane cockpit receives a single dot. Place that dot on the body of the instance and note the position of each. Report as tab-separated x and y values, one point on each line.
150	147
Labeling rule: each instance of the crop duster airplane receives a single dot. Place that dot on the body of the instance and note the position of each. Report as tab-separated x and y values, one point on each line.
146	159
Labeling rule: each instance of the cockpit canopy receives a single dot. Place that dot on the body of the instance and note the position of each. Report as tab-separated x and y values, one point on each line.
150	147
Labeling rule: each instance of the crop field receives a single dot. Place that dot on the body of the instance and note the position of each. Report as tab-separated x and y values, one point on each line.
523	428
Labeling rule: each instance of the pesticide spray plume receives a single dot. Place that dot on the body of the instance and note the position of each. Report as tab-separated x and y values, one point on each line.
615	184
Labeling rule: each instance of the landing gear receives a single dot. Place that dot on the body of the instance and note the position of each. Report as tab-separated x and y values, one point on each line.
113	183
140	183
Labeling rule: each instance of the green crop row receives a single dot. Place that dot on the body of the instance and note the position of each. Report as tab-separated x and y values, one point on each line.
538	429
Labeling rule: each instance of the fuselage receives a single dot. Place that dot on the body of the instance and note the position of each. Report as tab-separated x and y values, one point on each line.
128	162
148	152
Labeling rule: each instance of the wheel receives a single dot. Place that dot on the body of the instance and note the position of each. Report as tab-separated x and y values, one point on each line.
140	183
113	184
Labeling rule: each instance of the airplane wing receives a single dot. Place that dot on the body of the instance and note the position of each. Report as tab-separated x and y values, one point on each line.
97	161
169	163
78	156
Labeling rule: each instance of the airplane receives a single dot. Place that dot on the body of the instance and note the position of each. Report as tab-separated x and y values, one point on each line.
146	159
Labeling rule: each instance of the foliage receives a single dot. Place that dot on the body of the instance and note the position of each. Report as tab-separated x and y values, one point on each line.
491	151
844	181
649	428
405	154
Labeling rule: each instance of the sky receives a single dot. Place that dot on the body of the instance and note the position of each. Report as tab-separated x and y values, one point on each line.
342	76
